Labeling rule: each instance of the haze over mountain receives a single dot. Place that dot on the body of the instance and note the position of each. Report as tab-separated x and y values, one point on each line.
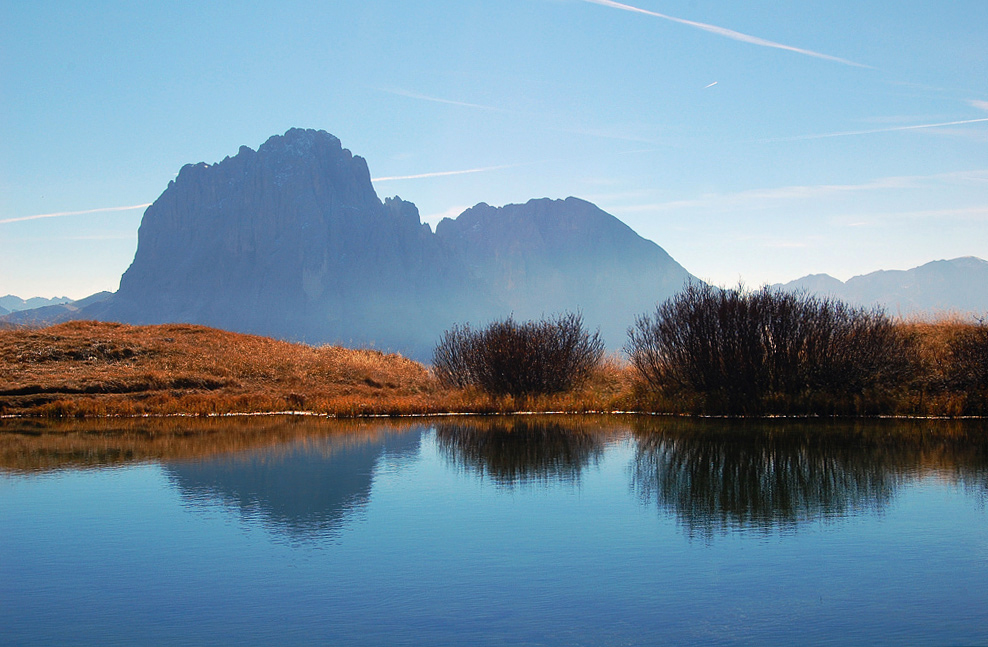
62	309
959	285
547	256
292	241
11	303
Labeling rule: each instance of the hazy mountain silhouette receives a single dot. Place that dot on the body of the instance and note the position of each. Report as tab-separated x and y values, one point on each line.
11	303
547	256
959	285
292	241
62	310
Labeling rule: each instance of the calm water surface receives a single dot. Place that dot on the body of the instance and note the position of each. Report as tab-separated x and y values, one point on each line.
527	531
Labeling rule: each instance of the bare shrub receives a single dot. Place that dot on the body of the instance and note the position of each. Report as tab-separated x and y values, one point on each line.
737	348
519	358
967	368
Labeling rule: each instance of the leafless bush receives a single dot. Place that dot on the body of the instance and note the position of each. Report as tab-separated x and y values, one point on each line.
736	347
967	369
512	358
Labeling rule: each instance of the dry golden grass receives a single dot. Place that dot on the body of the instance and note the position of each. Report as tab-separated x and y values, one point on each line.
88	369
941	384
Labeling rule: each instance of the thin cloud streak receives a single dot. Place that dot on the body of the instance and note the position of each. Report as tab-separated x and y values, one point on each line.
728	33
851	133
420	176
449	102
60	214
759	197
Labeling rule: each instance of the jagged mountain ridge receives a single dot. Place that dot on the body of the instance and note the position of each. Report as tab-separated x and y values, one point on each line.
958	285
289	241
292	241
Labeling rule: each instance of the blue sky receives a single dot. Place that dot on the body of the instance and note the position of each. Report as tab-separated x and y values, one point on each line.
754	140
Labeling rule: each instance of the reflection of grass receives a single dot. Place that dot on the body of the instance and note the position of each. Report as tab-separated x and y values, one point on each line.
82	369
35	445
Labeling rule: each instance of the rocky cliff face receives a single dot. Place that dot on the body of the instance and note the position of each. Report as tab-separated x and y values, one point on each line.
292	241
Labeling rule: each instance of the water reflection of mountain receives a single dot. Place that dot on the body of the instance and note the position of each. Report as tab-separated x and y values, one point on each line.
719	475
514	451
307	488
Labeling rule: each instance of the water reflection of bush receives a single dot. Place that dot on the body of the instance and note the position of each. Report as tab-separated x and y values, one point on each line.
517	451
719	475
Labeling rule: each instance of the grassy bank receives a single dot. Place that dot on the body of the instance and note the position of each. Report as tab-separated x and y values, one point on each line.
89	368
82	369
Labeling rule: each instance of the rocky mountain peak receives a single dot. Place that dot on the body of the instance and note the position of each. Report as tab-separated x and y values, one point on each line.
299	142
291	240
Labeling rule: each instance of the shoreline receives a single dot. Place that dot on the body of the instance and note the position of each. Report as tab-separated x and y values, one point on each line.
98	370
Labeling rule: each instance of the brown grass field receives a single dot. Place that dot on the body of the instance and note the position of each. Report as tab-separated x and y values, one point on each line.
87	369
92	369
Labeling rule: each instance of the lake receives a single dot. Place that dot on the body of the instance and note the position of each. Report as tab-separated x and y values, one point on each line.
533	530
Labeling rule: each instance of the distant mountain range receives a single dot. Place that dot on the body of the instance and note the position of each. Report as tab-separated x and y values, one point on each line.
10	303
292	241
57	310
954	286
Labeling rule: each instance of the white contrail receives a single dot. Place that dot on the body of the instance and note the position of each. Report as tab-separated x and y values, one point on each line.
59	214
848	133
440	173
727	33
709	85
449	102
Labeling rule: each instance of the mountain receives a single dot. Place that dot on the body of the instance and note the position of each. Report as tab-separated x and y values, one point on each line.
547	256
55	313
959	285
11	303
292	241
